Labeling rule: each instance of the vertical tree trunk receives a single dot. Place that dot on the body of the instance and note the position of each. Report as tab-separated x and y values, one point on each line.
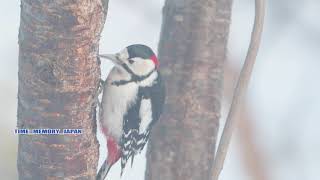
192	52
58	77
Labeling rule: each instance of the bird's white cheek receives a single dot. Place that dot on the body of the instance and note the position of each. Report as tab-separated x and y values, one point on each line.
143	67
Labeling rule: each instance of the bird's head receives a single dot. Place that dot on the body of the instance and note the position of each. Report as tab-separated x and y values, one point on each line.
137	58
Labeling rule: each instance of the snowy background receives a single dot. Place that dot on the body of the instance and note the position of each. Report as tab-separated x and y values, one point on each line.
283	95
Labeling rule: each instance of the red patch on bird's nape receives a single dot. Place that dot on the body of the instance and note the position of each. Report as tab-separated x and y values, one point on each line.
114	151
155	60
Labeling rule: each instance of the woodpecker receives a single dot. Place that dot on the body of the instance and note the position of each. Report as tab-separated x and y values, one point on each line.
132	101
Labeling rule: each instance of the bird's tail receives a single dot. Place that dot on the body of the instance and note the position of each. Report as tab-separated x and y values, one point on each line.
103	171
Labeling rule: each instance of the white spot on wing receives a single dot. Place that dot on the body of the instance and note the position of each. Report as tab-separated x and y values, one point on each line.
145	114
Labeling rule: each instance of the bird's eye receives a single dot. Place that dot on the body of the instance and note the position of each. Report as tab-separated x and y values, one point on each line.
131	61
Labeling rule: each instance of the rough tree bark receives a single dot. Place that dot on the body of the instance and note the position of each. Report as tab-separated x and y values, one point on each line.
192	52
58	77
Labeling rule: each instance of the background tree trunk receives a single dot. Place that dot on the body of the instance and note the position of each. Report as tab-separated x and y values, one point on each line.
192	52
58	77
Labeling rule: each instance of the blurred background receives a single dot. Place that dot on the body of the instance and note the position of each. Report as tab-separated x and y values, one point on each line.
279	132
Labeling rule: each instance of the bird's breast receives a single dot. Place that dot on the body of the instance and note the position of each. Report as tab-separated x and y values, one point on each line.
115	102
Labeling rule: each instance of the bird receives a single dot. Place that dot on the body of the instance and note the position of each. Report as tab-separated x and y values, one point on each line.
133	96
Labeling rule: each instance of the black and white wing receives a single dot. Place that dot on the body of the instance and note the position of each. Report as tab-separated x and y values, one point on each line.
150	110
131	122
139	120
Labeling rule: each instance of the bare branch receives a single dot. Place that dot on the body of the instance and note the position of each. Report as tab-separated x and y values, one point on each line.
240	88
252	155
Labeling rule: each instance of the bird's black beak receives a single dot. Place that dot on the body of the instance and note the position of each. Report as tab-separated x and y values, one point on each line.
112	57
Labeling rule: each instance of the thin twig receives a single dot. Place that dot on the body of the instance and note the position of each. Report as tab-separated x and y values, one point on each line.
252	153
241	88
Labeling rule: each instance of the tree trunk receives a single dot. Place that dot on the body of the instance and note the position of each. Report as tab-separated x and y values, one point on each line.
192	52
58	78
